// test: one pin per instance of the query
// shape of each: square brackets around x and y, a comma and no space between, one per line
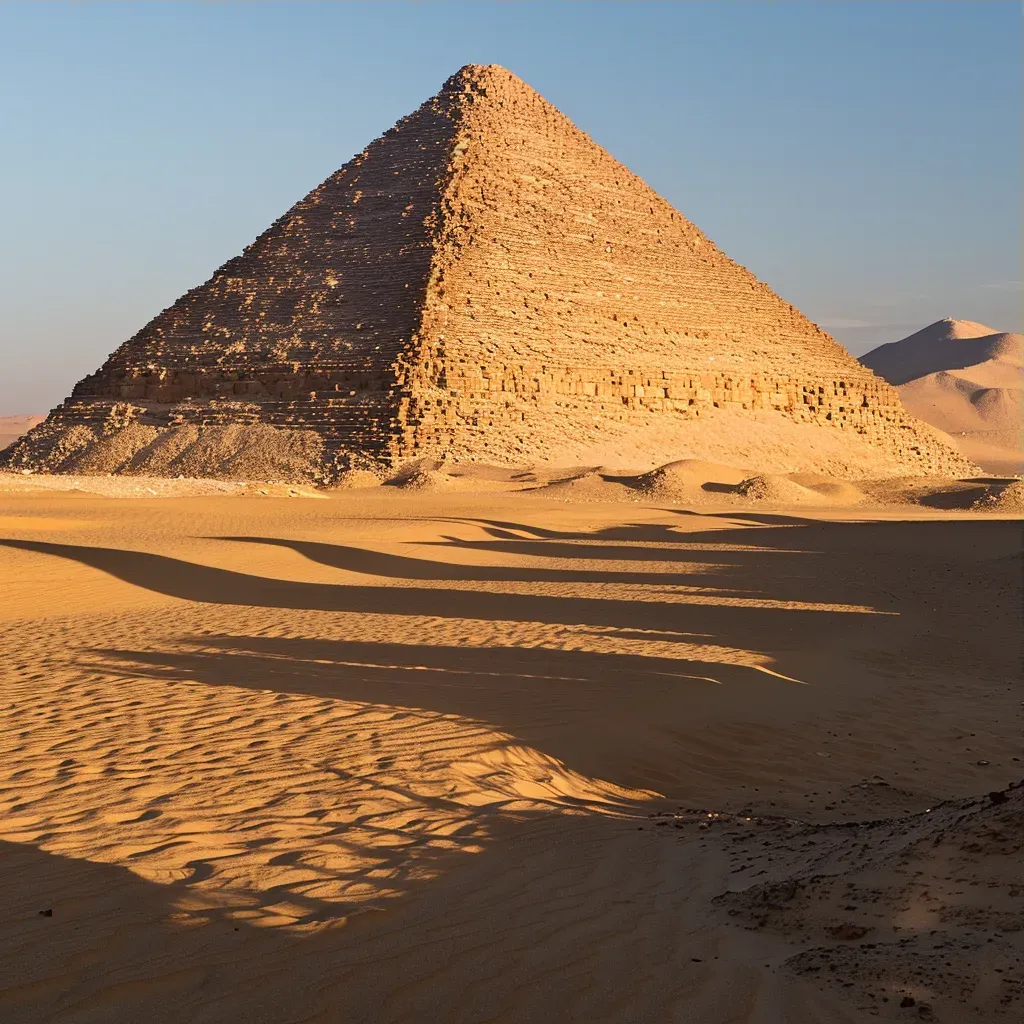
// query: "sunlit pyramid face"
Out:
[482,282]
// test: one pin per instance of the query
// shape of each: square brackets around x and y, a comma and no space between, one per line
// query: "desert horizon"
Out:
[976,407]
[494,592]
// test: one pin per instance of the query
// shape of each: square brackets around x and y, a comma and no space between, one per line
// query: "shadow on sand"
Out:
[115,944]
[789,597]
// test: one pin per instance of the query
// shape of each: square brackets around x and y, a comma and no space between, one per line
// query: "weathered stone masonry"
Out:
[483,281]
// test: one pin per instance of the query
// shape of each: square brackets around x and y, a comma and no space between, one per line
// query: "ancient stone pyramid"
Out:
[484,282]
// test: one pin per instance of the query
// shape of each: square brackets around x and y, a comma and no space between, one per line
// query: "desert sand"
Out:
[13,427]
[685,747]
[967,380]
[484,600]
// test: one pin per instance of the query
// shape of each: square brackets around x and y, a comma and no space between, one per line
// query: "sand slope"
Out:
[966,380]
[944,345]
[398,755]
[12,427]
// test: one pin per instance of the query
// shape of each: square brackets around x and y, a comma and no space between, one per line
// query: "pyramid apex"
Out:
[478,77]
[474,70]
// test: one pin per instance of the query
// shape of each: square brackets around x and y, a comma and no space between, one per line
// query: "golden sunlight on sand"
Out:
[421,757]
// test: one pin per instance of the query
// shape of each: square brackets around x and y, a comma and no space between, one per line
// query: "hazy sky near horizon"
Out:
[864,159]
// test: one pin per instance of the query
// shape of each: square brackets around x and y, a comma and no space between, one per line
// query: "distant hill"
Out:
[967,380]
[12,427]
[945,345]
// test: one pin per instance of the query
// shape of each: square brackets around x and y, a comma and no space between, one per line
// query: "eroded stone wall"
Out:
[304,328]
[482,281]
[567,293]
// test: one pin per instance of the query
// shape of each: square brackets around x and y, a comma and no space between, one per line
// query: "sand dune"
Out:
[956,402]
[966,380]
[985,421]
[944,345]
[398,755]
[12,427]
[684,484]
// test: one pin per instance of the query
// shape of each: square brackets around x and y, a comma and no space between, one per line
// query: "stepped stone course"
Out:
[483,282]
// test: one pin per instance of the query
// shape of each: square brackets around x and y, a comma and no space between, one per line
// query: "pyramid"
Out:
[482,282]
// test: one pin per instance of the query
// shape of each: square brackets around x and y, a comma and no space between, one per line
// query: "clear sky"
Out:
[862,158]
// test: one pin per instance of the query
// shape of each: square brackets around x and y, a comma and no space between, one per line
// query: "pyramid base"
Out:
[753,440]
[253,451]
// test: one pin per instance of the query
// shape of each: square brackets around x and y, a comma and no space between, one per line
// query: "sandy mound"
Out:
[835,492]
[12,427]
[688,480]
[590,486]
[955,401]
[940,494]
[356,479]
[1007,501]
[240,451]
[423,480]
[982,418]
[778,489]
[966,380]
[428,476]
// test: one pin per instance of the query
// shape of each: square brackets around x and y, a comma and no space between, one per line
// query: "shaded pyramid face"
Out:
[483,282]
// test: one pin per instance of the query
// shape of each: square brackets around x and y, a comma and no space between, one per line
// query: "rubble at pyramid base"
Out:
[505,415]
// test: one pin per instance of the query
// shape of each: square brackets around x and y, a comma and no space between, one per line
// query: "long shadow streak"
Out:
[378,563]
[752,627]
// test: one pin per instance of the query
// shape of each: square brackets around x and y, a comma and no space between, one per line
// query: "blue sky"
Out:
[862,158]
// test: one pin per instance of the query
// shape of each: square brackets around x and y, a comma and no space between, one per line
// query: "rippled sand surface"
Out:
[456,757]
